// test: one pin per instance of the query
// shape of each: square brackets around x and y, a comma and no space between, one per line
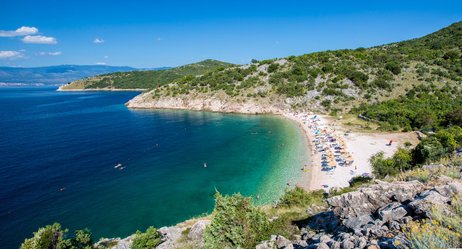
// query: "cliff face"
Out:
[219,102]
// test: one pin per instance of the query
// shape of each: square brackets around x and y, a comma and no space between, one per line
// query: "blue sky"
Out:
[169,33]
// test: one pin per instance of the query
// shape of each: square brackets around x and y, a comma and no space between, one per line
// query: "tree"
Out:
[82,239]
[50,236]
[147,240]
[447,140]
[382,166]
[402,159]
[236,223]
[429,149]
[455,117]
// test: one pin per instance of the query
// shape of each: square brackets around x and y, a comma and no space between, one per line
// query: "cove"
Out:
[58,151]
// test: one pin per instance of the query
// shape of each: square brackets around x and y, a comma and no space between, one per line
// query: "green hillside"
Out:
[145,79]
[338,81]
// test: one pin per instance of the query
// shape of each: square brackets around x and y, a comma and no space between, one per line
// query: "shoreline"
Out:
[306,178]
[357,147]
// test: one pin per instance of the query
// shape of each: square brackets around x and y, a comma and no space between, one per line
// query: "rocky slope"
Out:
[331,80]
[218,103]
[371,217]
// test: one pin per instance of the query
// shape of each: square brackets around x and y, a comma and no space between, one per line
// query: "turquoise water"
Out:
[72,140]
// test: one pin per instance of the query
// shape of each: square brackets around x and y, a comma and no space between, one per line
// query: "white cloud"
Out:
[22,31]
[98,41]
[100,63]
[8,54]
[50,53]
[39,39]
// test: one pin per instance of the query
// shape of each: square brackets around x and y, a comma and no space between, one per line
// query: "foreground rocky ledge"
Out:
[371,217]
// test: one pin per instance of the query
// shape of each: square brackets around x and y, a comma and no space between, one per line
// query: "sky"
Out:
[149,34]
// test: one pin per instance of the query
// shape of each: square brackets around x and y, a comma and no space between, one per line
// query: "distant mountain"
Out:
[145,79]
[53,75]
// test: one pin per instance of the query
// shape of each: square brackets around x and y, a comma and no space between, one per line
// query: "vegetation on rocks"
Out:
[403,85]
[147,240]
[442,230]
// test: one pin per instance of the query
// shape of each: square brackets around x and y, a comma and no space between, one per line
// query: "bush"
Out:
[50,236]
[236,223]
[393,67]
[359,180]
[441,231]
[53,236]
[298,197]
[429,149]
[147,240]
[399,162]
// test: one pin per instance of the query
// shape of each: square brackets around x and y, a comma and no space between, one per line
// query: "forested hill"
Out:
[144,79]
[335,80]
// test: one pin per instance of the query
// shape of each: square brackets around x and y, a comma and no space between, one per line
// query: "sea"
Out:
[59,152]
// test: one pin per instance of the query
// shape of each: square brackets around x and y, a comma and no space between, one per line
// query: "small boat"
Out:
[121,168]
[118,166]
[205,165]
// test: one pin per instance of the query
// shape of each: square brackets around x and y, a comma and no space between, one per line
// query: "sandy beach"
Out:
[356,149]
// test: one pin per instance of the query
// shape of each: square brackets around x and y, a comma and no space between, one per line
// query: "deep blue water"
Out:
[72,140]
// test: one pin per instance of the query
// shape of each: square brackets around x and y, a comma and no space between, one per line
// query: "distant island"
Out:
[56,75]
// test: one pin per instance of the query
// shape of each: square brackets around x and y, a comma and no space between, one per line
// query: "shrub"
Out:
[273,67]
[50,236]
[441,231]
[399,162]
[429,149]
[53,236]
[147,240]
[298,197]
[236,223]
[393,67]
[359,180]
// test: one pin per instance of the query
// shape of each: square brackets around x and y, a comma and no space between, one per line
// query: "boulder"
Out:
[357,222]
[323,245]
[347,244]
[282,242]
[197,230]
[170,236]
[266,245]
[369,199]
[392,211]
[426,200]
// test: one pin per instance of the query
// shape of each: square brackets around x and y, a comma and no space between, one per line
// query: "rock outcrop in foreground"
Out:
[370,217]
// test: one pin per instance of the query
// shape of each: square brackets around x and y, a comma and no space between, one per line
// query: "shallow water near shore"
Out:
[58,151]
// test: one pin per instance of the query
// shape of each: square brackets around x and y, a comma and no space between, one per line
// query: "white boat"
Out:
[118,166]
[205,165]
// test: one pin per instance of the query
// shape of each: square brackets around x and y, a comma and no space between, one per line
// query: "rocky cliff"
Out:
[218,102]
